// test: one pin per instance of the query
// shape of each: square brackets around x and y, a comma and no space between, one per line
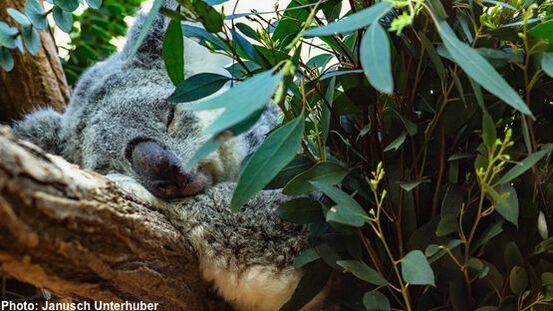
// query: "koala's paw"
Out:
[41,127]
[135,188]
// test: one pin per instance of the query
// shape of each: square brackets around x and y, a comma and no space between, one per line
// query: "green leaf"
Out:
[347,211]
[543,31]
[214,21]
[448,224]
[518,280]
[319,61]
[237,106]
[19,17]
[95,4]
[376,301]
[297,166]
[434,252]
[433,55]
[301,211]
[312,283]
[247,30]
[35,13]
[8,36]
[363,272]
[410,185]
[547,63]
[206,149]
[512,255]
[63,19]
[394,145]
[197,87]
[325,172]
[204,37]
[67,5]
[489,134]
[31,38]
[376,59]
[491,232]
[278,149]
[416,270]
[173,52]
[509,207]
[215,2]
[525,165]
[476,67]
[6,59]
[154,11]
[306,256]
[409,125]
[352,22]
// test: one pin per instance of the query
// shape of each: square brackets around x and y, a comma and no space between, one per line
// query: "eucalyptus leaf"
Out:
[547,63]
[35,13]
[6,59]
[67,5]
[525,165]
[346,211]
[396,143]
[95,4]
[376,59]
[197,87]
[325,172]
[306,256]
[518,280]
[237,106]
[509,208]
[489,134]
[476,67]
[363,272]
[19,17]
[204,37]
[31,38]
[352,22]
[416,270]
[278,149]
[301,211]
[63,19]
[376,301]
[173,52]
[8,36]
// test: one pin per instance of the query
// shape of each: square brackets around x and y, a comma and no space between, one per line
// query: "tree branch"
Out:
[78,235]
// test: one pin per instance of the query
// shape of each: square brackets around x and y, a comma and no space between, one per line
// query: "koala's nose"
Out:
[161,172]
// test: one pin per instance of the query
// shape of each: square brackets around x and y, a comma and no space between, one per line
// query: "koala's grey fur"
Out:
[248,254]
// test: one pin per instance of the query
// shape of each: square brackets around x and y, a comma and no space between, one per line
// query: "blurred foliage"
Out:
[93,39]
[426,125]
[91,32]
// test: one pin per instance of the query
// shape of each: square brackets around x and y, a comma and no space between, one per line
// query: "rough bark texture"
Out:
[35,81]
[75,233]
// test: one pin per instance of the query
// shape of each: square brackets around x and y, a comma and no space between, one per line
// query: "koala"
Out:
[119,123]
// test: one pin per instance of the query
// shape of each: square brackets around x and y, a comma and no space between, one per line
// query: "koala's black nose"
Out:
[161,172]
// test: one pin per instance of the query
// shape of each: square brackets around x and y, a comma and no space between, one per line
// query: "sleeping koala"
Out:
[119,123]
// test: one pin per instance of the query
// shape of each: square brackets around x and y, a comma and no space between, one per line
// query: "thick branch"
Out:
[76,234]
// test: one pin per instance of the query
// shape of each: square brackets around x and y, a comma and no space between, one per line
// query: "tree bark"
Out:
[77,234]
[35,81]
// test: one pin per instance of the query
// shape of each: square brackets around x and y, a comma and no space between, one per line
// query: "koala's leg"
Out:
[248,254]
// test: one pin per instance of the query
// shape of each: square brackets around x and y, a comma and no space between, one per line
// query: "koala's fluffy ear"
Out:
[41,127]
[151,48]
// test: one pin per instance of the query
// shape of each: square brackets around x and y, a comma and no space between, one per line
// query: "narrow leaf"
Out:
[476,67]
[173,52]
[352,22]
[363,272]
[278,149]
[547,64]
[301,211]
[376,59]
[525,165]
[237,106]
[325,172]
[489,134]
[197,87]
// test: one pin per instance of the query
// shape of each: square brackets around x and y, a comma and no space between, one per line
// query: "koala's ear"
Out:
[41,127]
[152,46]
